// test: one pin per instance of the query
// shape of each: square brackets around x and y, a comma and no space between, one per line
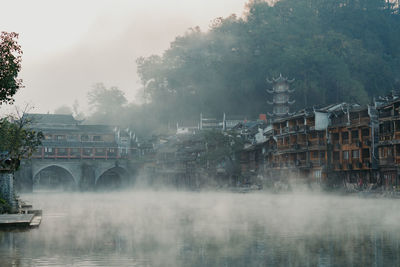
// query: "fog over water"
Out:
[174,228]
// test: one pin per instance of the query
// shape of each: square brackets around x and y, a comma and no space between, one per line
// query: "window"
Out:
[382,152]
[75,151]
[87,152]
[97,138]
[346,155]
[281,109]
[397,126]
[365,153]
[315,154]
[318,174]
[281,98]
[72,137]
[345,137]
[281,88]
[84,137]
[365,132]
[60,137]
[335,136]
[100,151]
[354,134]
[355,154]
[336,156]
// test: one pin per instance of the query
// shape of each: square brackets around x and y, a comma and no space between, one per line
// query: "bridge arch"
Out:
[54,176]
[114,177]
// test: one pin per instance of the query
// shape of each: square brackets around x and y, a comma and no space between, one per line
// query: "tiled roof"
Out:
[51,119]
[96,128]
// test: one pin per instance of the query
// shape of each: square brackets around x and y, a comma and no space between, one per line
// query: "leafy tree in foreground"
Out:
[10,65]
[17,139]
[15,136]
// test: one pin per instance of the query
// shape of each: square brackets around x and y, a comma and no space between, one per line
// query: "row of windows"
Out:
[301,138]
[355,154]
[354,134]
[385,152]
[95,138]
[84,150]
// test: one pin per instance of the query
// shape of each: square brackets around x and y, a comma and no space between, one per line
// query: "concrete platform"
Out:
[30,220]
[23,220]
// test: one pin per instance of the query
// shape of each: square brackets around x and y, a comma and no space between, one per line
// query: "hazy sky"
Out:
[71,45]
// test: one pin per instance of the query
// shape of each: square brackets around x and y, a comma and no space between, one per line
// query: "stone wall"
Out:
[7,188]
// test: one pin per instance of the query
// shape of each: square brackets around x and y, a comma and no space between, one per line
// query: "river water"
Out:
[165,228]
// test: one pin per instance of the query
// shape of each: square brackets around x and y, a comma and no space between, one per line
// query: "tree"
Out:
[107,104]
[337,51]
[78,114]
[17,139]
[10,65]
[65,110]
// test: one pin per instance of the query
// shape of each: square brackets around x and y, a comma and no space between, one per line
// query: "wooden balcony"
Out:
[386,161]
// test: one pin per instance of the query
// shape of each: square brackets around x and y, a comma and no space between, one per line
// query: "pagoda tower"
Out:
[280,96]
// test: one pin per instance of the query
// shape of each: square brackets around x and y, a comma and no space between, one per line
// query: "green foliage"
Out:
[220,145]
[4,206]
[10,65]
[17,139]
[336,50]
[109,106]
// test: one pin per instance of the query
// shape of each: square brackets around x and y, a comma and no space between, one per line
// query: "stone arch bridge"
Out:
[80,174]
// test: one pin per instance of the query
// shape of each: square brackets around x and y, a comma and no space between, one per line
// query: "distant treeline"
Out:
[342,50]
[337,50]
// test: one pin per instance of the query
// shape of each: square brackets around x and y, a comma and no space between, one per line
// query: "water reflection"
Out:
[145,228]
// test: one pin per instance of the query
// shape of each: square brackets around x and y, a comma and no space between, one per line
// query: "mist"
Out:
[169,157]
[69,46]
[172,228]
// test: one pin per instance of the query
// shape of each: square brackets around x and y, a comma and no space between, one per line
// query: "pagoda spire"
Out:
[280,95]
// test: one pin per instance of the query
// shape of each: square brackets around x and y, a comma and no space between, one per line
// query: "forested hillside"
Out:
[342,50]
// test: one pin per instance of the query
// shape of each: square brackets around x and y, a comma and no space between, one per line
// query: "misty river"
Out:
[172,228]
